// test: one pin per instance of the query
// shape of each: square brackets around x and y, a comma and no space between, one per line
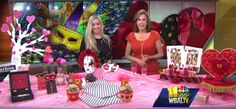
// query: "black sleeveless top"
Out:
[104,53]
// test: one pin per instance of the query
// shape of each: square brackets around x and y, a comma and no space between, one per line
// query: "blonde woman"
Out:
[96,40]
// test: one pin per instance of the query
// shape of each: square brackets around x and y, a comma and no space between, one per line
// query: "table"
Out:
[144,95]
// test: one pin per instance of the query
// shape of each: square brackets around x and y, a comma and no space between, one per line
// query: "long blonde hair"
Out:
[89,37]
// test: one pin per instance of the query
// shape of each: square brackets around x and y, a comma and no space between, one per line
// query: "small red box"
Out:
[41,83]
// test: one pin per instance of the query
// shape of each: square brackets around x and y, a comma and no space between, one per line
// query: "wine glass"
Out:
[134,68]
[144,70]
[144,73]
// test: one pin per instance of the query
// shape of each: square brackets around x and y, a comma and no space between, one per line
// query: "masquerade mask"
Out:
[71,39]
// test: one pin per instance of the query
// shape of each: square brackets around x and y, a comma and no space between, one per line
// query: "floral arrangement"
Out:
[126,92]
[72,92]
[125,89]
[124,79]
[72,88]
[78,80]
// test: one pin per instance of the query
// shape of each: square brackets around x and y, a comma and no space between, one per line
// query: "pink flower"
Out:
[123,77]
[47,59]
[60,61]
[63,61]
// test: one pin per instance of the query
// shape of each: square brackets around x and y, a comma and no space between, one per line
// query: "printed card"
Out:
[193,57]
[184,56]
[175,56]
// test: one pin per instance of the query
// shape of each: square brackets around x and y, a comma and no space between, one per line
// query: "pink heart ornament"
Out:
[9,19]
[18,28]
[45,39]
[30,19]
[17,13]
[12,44]
[33,48]
[46,32]
[4,28]
[33,30]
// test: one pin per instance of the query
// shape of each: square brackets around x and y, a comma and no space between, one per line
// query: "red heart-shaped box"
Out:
[220,65]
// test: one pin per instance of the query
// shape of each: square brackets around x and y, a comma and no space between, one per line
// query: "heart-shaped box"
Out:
[220,66]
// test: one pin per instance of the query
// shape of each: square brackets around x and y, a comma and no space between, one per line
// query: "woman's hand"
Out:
[145,58]
[141,62]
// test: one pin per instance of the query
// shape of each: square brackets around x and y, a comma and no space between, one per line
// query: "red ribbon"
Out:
[196,19]
[49,77]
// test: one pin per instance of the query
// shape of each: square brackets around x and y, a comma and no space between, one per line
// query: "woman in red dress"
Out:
[144,45]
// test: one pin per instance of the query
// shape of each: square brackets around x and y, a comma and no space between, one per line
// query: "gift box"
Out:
[20,86]
[202,98]
[192,27]
[51,83]
[41,83]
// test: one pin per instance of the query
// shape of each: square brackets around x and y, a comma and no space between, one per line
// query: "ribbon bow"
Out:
[49,77]
[194,18]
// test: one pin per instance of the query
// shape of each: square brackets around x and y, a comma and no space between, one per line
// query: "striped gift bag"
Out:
[100,93]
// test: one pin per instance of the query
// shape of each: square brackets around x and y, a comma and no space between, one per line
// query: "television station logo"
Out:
[178,95]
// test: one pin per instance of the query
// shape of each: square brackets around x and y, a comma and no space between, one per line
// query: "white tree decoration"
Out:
[18,48]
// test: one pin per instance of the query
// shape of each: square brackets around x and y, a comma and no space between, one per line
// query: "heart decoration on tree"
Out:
[220,65]
[30,19]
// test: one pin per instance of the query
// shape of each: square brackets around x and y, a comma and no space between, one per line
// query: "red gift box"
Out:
[41,83]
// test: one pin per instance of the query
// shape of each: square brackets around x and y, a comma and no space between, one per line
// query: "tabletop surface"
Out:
[146,91]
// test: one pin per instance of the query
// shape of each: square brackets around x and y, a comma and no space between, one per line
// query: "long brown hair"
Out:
[139,13]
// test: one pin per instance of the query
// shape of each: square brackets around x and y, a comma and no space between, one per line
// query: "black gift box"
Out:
[20,86]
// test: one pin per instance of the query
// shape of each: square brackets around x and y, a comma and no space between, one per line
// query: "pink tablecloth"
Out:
[146,91]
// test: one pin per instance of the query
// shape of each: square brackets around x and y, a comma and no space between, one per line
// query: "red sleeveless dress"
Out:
[147,47]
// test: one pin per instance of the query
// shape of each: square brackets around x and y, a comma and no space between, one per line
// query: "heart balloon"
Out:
[219,65]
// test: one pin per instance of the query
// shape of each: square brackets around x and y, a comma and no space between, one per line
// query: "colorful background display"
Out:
[179,23]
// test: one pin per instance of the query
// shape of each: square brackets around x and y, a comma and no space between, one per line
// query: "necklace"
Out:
[142,43]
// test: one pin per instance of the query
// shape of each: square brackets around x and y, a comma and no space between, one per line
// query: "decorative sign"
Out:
[7,67]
